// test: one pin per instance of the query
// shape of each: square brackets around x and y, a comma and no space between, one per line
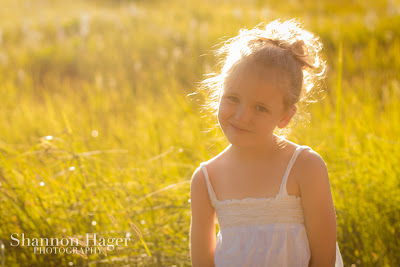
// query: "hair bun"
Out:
[300,52]
[297,48]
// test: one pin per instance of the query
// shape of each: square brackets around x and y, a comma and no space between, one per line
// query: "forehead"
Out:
[258,82]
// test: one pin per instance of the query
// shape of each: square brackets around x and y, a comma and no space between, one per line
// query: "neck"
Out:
[255,154]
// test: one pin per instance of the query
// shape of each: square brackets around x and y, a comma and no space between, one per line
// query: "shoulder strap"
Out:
[211,192]
[289,167]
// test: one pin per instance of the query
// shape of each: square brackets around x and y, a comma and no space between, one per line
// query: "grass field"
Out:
[100,135]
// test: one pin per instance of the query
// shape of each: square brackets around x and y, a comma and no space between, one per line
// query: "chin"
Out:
[240,141]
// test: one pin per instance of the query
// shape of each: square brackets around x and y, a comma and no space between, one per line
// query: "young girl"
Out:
[271,196]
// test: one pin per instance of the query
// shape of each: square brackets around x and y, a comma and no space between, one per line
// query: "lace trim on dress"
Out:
[253,200]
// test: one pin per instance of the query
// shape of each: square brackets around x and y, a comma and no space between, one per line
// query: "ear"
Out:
[286,117]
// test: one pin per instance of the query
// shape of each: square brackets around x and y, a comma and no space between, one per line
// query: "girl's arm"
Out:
[319,210]
[202,226]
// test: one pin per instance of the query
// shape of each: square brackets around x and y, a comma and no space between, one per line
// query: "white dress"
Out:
[262,231]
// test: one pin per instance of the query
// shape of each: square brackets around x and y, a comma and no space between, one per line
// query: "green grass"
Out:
[128,76]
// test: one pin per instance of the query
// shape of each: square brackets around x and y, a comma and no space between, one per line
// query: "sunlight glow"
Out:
[95,133]
[84,26]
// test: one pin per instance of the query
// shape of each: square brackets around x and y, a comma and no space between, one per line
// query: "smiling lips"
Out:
[238,129]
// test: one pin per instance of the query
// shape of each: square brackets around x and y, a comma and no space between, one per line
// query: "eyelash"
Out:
[235,99]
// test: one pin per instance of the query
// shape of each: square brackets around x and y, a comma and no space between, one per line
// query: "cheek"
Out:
[226,110]
[222,110]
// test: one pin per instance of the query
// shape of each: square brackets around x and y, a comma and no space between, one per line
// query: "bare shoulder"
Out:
[197,175]
[312,175]
[199,194]
[198,181]
[216,163]
[313,171]
[310,158]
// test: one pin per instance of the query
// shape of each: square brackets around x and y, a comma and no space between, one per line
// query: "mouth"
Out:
[239,129]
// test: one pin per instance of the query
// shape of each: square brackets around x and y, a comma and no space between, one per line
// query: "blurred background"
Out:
[98,132]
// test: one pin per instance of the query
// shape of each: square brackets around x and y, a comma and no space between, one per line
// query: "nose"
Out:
[242,114]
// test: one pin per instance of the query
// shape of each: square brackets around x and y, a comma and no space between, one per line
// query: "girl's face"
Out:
[251,107]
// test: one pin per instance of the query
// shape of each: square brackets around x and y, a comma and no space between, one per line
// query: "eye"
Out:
[261,109]
[233,98]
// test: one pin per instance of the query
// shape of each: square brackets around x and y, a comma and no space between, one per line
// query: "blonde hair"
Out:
[284,45]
